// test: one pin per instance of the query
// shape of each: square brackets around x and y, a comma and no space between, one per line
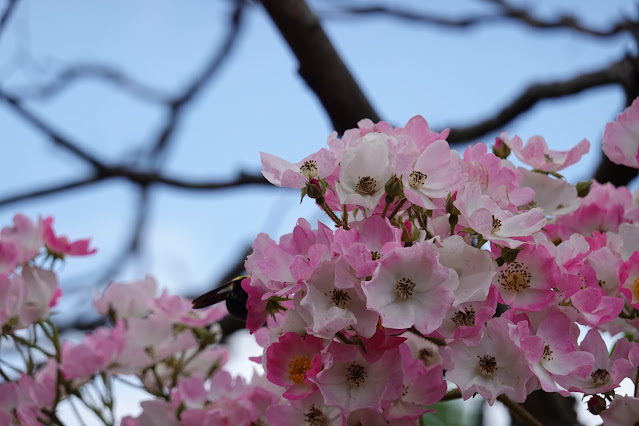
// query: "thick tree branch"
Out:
[615,73]
[319,63]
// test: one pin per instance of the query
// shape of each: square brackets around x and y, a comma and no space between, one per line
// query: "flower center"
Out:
[315,417]
[515,277]
[465,317]
[635,287]
[297,368]
[375,255]
[487,365]
[366,186]
[340,298]
[496,224]
[405,288]
[356,375]
[600,377]
[416,179]
[309,168]
[547,353]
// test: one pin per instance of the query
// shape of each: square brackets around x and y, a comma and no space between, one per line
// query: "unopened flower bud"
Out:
[314,189]
[410,233]
[596,405]
[394,187]
[500,149]
[583,188]
[450,207]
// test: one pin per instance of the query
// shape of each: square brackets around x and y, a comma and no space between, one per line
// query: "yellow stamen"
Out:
[297,368]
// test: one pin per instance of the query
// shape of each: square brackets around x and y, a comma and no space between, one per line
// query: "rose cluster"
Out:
[440,270]
[446,267]
[160,339]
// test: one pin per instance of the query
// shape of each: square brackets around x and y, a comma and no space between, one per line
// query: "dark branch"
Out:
[199,82]
[615,73]
[563,22]
[319,63]
[141,179]
[408,15]
[51,190]
[8,11]
[58,139]
[98,71]
[507,13]
[617,174]
[242,180]
[132,247]
[607,171]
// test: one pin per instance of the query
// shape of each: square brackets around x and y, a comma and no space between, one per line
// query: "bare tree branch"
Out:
[615,73]
[55,137]
[4,19]
[132,247]
[103,72]
[139,178]
[319,63]
[177,105]
[50,190]
[507,13]
[564,22]
[407,15]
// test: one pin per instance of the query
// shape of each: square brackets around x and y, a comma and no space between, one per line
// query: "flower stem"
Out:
[420,219]
[27,343]
[399,206]
[519,411]
[345,217]
[386,206]
[322,203]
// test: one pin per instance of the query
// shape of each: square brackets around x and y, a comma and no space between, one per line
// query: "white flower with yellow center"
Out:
[364,171]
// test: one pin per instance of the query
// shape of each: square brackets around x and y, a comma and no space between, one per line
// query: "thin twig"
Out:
[8,11]
[178,104]
[568,22]
[56,138]
[506,13]
[51,190]
[615,73]
[519,411]
[104,72]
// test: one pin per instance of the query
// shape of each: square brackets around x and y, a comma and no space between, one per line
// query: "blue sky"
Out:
[256,103]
